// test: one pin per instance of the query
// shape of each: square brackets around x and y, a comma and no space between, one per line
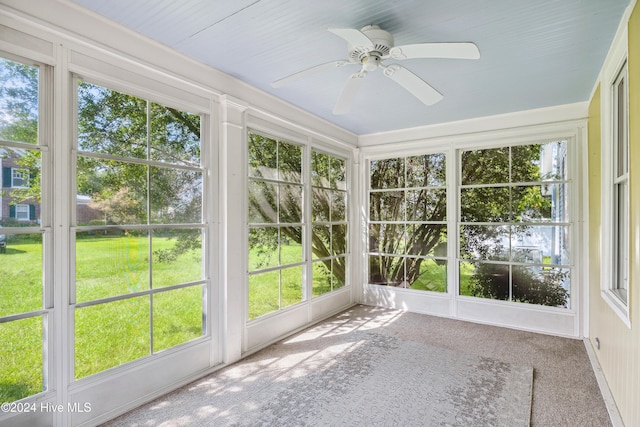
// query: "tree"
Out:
[19,122]
[269,203]
[399,198]
[115,124]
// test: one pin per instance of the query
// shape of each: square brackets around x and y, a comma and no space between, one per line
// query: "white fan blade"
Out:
[413,84]
[353,37]
[348,94]
[435,50]
[292,77]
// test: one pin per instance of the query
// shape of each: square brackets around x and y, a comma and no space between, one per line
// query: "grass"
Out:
[433,277]
[276,289]
[107,334]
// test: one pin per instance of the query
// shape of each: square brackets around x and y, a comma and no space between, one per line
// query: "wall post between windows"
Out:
[232,227]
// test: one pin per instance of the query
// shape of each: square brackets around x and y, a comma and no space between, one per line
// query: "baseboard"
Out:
[610,403]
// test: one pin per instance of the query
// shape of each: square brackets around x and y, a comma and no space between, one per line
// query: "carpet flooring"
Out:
[363,367]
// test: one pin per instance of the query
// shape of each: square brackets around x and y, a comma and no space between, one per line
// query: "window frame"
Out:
[47,310]
[149,227]
[448,222]
[267,128]
[614,71]
[566,222]
[24,208]
[19,174]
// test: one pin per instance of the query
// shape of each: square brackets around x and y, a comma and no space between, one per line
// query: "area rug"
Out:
[359,378]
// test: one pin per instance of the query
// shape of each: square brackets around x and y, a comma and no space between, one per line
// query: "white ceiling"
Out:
[534,53]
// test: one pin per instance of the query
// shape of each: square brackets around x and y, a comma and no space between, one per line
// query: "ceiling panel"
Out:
[533,53]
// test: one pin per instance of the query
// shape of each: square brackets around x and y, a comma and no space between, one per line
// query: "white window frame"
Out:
[19,174]
[614,70]
[22,209]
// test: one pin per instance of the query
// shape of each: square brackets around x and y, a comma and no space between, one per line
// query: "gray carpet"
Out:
[335,375]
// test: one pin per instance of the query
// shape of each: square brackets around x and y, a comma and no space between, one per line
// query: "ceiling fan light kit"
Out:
[369,47]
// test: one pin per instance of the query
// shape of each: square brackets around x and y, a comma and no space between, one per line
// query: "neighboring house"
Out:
[28,211]
[84,212]
[14,177]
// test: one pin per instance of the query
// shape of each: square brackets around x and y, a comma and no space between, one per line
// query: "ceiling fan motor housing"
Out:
[382,43]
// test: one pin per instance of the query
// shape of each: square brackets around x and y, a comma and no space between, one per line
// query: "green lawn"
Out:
[107,334]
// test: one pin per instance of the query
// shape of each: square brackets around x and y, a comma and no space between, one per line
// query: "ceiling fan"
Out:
[369,47]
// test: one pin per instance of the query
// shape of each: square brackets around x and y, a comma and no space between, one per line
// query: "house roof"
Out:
[533,54]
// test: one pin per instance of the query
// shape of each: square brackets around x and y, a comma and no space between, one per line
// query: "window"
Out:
[276,225]
[408,222]
[26,306]
[329,235]
[19,178]
[614,269]
[140,285]
[514,225]
[620,279]
[22,213]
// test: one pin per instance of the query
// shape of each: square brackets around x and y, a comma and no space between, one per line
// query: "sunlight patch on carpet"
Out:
[358,378]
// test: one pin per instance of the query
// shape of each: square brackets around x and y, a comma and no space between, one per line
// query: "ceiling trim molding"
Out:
[548,115]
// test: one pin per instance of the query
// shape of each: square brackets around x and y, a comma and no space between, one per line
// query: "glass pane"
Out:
[291,251]
[264,293]
[177,317]
[427,274]
[321,204]
[320,165]
[110,334]
[484,242]
[338,206]
[113,190]
[426,205]
[621,114]
[290,204]
[338,173]
[387,238]
[263,198]
[387,205]
[321,241]
[387,173]
[289,162]
[20,273]
[175,136]
[339,239]
[291,286]
[177,256]
[487,280]
[539,162]
[542,286]
[321,278]
[21,359]
[489,166]
[428,170]
[263,248]
[621,248]
[263,157]
[466,271]
[176,196]
[18,102]
[111,122]
[426,239]
[487,204]
[386,270]
[540,244]
[111,263]
[548,203]
[339,269]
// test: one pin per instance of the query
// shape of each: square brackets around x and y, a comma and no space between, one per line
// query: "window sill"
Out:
[618,307]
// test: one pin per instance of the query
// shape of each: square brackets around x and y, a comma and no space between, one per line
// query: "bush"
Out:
[533,285]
